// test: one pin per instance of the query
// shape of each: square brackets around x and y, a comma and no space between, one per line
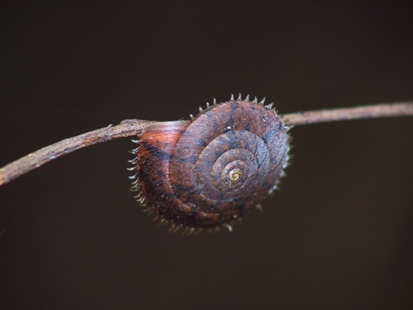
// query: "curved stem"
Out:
[132,127]
[34,160]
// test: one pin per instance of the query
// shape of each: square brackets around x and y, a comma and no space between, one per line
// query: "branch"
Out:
[346,114]
[132,127]
[34,160]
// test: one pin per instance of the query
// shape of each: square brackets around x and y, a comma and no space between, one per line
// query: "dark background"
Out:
[337,235]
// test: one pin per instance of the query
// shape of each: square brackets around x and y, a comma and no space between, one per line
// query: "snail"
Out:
[212,170]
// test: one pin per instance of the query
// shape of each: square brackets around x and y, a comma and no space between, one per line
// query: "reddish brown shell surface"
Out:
[214,169]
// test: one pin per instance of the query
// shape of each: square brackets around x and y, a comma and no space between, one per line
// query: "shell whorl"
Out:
[211,170]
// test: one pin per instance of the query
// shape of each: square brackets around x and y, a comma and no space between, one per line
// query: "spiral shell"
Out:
[213,169]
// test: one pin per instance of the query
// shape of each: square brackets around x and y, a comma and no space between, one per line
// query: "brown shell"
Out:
[214,169]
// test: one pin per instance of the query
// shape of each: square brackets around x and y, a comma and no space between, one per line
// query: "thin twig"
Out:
[34,160]
[343,114]
[133,127]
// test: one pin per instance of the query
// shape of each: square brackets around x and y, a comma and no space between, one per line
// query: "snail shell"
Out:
[211,170]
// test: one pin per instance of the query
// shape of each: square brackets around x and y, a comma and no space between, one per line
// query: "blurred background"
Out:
[337,235]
